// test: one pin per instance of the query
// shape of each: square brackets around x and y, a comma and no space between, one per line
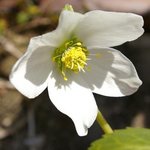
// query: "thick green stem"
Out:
[103,123]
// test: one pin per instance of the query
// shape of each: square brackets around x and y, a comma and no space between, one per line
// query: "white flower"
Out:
[76,59]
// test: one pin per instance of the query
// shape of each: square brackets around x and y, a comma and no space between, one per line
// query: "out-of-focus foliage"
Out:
[28,13]
[127,139]
[3,25]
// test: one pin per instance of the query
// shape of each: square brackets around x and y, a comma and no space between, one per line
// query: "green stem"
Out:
[103,123]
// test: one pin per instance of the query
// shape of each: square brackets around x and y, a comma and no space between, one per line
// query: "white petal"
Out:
[30,74]
[67,22]
[107,29]
[111,73]
[73,100]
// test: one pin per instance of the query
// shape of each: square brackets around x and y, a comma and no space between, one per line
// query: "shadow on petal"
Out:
[97,69]
[39,65]
[111,73]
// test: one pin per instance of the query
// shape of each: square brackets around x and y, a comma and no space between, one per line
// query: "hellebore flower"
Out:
[75,60]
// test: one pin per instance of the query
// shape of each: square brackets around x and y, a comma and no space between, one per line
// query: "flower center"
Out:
[74,59]
[72,55]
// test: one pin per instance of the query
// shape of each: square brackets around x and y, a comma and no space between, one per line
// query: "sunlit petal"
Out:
[74,100]
[107,29]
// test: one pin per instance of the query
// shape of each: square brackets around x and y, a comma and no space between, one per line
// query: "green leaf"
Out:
[125,139]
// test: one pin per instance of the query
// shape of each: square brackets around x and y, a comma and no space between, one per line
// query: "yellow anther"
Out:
[74,59]
[79,44]
[64,75]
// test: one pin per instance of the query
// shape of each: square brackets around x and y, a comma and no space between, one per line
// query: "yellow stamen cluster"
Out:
[71,56]
[74,59]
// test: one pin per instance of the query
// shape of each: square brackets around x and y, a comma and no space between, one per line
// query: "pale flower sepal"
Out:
[75,60]
[111,73]
[108,29]
[74,100]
